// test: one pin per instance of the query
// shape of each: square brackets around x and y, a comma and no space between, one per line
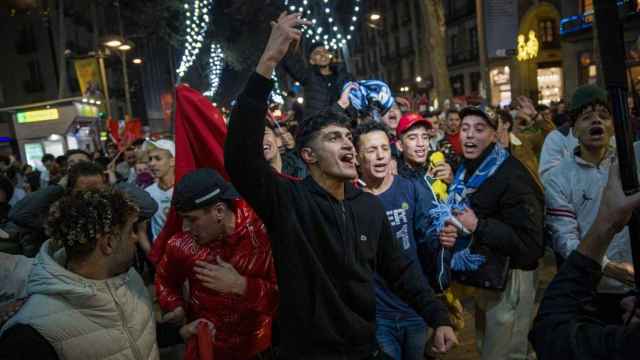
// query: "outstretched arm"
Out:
[250,173]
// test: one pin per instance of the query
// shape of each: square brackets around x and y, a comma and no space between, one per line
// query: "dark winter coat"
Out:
[320,91]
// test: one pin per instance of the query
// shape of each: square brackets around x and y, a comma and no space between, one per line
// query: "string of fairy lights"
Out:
[325,28]
[216,64]
[197,22]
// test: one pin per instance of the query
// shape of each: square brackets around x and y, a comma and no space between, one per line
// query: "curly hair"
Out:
[76,220]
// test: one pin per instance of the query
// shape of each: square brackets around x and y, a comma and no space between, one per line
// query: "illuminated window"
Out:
[587,6]
[546,29]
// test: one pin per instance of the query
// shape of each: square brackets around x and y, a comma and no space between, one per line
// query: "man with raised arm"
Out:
[328,238]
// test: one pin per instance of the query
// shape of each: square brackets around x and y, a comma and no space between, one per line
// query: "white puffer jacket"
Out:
[87,319]
[573,190]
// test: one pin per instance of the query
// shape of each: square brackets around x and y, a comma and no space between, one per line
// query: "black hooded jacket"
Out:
[320,91]
[326,251]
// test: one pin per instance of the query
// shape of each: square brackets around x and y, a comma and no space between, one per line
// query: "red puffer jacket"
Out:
[243,323]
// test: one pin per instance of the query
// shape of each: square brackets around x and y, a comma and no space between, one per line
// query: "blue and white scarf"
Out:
[460,257]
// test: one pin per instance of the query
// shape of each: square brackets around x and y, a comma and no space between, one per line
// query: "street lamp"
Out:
[374,16]
[112,42]
[120,47]
[418,79]
[125,47]
[137,61]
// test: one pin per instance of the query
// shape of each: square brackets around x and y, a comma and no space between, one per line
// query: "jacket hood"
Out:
[50,277]
[350,191]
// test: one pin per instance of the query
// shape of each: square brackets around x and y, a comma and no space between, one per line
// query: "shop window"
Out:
[549,85]
[500,81]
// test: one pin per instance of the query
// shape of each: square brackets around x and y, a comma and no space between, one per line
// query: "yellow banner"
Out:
[88,74]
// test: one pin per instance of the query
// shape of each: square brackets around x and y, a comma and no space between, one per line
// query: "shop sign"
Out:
[24,117]
[528,48]
[86,110]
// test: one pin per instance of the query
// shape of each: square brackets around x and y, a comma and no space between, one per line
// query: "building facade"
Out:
[463,49]
[576,29]
[393,47]
[523,49]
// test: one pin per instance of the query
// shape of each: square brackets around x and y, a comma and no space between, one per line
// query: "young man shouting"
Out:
[328,237]
[401,332]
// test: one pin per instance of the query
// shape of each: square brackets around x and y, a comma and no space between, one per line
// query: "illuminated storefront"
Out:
[549,85]
[54,127]
[500,79]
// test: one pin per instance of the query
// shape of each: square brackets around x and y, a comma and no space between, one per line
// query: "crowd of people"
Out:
[352,239]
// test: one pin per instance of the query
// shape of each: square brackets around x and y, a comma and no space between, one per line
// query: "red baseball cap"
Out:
[410,119]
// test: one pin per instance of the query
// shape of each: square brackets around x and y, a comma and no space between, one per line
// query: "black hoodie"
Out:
[325,250]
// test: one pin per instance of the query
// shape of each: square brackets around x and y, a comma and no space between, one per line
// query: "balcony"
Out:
[461,57]
[459,12]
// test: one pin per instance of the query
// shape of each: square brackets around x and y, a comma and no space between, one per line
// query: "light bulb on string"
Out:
[197,23]
[328,17]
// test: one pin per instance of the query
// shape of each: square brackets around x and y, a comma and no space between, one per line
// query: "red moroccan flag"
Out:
[114,130]
[132,132]
[200,132]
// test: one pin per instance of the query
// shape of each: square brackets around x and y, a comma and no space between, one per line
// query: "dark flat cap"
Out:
[201,188]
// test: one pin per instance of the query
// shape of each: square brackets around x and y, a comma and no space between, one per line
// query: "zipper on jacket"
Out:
[345,236]
[132,343]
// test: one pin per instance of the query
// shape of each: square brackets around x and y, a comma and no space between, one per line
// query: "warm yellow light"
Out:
[124,47]
[375,17]
[137,61]
[113,43]
[528,49]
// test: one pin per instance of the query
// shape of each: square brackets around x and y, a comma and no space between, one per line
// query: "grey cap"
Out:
[140,198]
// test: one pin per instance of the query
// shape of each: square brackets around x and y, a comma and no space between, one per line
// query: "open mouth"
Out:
[348,159]
[596,131]
[380,167]
[470,146]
